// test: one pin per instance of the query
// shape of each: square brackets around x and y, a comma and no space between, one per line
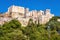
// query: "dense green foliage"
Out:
[14,31]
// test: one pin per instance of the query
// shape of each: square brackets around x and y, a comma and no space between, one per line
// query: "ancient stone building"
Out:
[23,14]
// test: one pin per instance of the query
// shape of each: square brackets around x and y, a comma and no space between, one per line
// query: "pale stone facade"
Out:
[23,15]
[16,9]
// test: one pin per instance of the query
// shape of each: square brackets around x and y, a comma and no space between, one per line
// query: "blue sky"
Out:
[54,5]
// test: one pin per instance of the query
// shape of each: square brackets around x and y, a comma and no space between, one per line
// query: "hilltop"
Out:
[14,31]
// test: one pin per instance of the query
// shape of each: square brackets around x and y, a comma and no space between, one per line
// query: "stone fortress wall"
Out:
[23,15]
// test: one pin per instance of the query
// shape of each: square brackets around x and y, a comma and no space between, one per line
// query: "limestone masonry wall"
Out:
[23,15]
